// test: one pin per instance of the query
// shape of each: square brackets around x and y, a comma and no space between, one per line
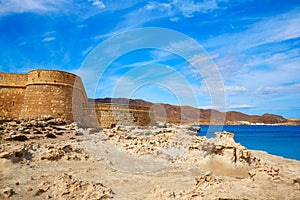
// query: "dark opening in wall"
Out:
[13,103]
[39,74]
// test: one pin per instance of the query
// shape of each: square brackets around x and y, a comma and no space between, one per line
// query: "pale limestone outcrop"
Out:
[68,166]
[224,145]
[64,186]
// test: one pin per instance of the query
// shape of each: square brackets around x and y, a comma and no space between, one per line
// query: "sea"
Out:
[278,140]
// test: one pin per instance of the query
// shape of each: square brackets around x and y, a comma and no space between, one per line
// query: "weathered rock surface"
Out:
[64,161]
[64,186]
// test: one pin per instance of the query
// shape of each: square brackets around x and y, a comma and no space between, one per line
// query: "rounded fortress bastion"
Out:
[53,93]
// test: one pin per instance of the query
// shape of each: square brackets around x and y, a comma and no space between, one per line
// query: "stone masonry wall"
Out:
[110,115]
[59,94]
[12,90]
[50,93]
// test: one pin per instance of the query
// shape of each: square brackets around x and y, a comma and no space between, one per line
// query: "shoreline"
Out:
[278,140]
[253,124]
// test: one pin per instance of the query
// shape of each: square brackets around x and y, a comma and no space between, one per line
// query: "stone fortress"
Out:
[59,94]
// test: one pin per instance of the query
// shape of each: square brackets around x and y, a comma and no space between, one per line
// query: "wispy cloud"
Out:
[268,30]
[48,39]
[278,90]
[161,55]
[235,88]
[275,29]
[241,106]
[37,6]
[263,54]
[105,35]
[97,3]
[185,7]
[22,44]
[174,19]
[49,33]
[82,9]
[173,10]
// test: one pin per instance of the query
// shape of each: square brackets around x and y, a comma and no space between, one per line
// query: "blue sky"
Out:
[255,46]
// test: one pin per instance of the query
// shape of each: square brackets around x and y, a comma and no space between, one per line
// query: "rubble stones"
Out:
[17,154]
[23,130]
[8,192]
[28,132]
[68,152]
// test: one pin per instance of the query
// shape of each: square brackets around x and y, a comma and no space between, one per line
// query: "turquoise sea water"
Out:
[278,140]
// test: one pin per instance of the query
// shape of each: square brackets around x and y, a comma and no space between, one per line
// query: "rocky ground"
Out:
[49,159]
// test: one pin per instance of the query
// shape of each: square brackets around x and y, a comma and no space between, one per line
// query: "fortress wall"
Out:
[62,95]
[12,90]
[110,115]
[50,93]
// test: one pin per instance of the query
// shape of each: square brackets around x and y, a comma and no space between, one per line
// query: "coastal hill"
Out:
[188,114]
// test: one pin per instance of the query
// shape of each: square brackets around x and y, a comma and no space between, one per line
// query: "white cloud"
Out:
[49,33]
[260,58]
[82,9]
[138,64]
[185,7]
[98,3]
[188,8]
[235,89]
[106,35]
[275,29]
[277,59]
[174,19]
[173,9]
[161,55]
[241,106]
[22,44]
[48,39]
[37,6]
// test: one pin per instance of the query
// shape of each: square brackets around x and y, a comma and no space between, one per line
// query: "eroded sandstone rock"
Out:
[7,192]
[224,145]
[64,186]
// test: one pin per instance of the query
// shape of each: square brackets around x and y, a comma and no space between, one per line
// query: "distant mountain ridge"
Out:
[188,114]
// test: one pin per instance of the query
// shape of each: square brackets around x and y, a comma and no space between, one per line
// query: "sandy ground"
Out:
[136,163]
